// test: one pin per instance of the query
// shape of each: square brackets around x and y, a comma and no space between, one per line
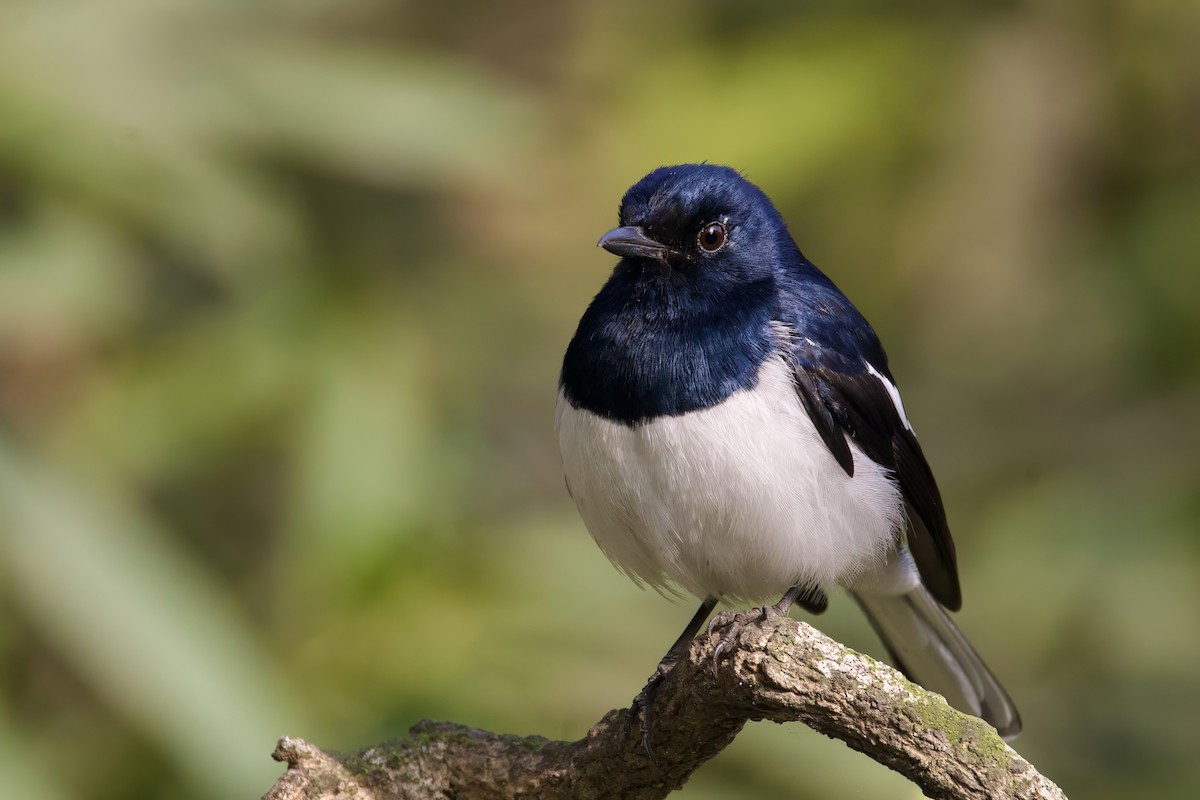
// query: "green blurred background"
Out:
[284,287]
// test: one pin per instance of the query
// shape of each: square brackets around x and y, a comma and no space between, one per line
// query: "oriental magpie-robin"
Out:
[729,426]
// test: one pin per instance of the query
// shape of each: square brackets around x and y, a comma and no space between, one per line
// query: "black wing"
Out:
[844,397]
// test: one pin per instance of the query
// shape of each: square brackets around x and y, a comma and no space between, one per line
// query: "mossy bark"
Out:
[782,670]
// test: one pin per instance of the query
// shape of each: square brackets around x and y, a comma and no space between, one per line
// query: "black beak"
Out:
[632,242]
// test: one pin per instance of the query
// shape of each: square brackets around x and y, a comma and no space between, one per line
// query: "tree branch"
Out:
[782,670]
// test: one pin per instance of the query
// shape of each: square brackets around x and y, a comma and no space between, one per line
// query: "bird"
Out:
[730,428]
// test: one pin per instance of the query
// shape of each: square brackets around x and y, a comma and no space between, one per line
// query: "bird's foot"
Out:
[647,697]
[734,621]
[644,703]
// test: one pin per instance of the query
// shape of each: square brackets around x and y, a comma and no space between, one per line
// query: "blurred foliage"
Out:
[284,287]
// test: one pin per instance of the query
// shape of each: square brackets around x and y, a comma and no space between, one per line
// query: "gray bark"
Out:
[782,670]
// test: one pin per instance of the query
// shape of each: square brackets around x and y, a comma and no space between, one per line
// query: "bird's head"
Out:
[699,220]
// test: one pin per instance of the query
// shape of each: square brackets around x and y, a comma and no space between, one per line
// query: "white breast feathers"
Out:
[741,500]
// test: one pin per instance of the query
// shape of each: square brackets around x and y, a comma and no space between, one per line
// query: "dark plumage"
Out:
[681,446]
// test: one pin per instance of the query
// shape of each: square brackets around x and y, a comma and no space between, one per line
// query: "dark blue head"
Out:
[702,222]
[687,317]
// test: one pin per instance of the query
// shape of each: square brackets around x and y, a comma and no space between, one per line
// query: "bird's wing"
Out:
[848,395]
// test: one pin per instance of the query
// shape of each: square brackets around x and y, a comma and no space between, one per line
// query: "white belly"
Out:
[741,500]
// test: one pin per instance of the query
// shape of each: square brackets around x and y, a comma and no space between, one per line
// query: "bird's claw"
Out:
[644,702]
[734,621]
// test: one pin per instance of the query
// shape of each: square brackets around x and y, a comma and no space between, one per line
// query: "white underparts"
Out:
[741,500]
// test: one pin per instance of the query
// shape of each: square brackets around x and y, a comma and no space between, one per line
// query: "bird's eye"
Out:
[712,237]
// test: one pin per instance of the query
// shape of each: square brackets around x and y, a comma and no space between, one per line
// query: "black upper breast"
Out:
[641,353]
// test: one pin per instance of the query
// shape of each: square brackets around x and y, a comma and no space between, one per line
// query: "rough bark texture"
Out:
[782,670]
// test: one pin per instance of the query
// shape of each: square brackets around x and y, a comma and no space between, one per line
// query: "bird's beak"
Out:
[632,242]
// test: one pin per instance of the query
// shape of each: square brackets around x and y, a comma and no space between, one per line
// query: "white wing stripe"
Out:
[894,393]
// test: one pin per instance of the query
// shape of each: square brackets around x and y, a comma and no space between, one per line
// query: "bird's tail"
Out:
[930,649]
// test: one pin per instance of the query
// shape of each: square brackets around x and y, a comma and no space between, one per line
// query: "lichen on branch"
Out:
[782,670]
